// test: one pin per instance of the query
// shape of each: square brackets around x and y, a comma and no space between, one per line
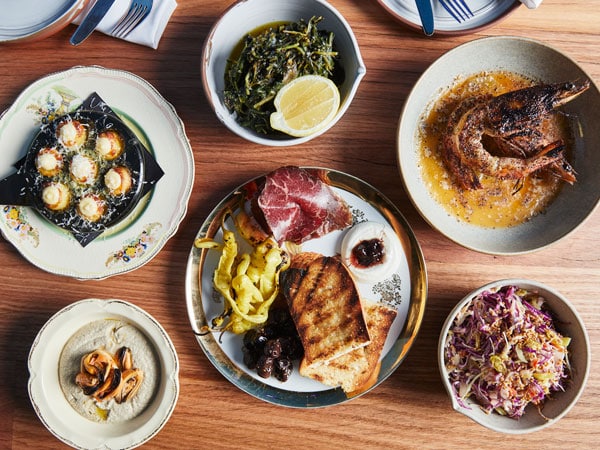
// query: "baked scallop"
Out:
[85,172]
[49,161]
[91,207]
[72,134]
[56,196]
[118,180]
[83,169]
[109,144]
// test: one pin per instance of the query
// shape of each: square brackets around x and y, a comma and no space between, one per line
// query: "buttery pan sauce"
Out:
[500,203]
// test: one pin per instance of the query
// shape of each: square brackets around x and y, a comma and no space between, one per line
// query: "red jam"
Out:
[368,253]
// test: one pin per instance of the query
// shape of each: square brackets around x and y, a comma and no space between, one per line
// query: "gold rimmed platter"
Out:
[405,290]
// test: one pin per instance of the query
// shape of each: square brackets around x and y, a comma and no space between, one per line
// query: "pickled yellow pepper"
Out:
[249,283]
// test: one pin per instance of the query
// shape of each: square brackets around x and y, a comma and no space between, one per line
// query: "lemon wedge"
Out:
[305,105]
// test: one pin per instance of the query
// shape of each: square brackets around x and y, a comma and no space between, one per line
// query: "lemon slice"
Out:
[305,105]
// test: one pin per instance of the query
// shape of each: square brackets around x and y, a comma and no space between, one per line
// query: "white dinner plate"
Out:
[406,290]
[139,237]
[47,396]
[485,14]
[35,19]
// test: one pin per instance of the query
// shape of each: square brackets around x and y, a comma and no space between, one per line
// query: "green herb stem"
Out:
[270,59]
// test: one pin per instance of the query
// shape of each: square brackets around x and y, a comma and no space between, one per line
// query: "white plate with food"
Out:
[32,19]
[145,230]
[134,349]
[497,153]
[485,13]
[323,257]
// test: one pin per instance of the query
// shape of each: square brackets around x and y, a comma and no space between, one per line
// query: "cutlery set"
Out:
[458,9]
[138,11]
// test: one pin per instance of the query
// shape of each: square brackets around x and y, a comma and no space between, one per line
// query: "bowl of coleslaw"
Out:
[514,356]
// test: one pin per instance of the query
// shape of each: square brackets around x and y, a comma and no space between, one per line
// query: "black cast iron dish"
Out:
[26,185]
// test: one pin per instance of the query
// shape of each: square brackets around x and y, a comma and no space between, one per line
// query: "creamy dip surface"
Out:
[500,203]
[110,335]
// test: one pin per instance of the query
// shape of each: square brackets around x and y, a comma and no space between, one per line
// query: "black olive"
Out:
[292,347]
[255,339]
[271,331]
[283,369]
[249,338]
[250,358]
[270,349]
[264,366]
[273,348]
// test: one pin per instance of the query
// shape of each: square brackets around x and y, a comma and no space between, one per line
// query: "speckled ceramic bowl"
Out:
[246,16]
[568,323]
[536,60]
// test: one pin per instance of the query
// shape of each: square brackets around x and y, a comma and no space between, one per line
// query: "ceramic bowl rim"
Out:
[552,296]
[314,7]
[516,240]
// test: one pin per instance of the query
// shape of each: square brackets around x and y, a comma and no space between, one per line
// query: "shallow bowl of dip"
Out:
[428,185]
[246,17]
[52,397]
[566,321]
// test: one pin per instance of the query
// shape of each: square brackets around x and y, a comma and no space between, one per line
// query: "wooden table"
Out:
[411,408]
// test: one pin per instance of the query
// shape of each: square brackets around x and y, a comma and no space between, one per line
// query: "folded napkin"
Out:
[531,4]
[146,33]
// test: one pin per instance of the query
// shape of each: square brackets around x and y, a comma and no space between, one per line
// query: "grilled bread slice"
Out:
[303,259]
[325,306]
[358,369]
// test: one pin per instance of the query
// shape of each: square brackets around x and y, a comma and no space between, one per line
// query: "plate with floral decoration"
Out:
[141,235]
[405,290]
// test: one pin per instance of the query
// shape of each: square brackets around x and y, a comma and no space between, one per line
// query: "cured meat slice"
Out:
[297,206]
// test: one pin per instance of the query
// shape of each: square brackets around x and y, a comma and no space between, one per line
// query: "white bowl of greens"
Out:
[224,48]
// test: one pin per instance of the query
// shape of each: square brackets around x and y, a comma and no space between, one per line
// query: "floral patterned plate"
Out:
[405,290]
[56,412]
[138,238]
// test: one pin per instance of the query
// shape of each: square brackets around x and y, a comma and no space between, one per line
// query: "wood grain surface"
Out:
[411,408]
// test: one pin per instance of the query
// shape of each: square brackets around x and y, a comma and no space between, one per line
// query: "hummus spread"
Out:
[110,335]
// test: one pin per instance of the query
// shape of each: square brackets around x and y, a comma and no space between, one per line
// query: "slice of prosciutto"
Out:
[297,205]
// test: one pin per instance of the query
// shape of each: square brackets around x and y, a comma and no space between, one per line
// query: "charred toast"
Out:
[354,371]
[326,308]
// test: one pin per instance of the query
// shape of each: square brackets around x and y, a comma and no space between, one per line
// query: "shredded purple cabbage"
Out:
[503,350]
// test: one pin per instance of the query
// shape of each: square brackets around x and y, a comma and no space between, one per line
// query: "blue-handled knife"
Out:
[426,15]
[91,21]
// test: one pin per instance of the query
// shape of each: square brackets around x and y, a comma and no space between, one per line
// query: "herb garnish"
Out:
[271,59]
